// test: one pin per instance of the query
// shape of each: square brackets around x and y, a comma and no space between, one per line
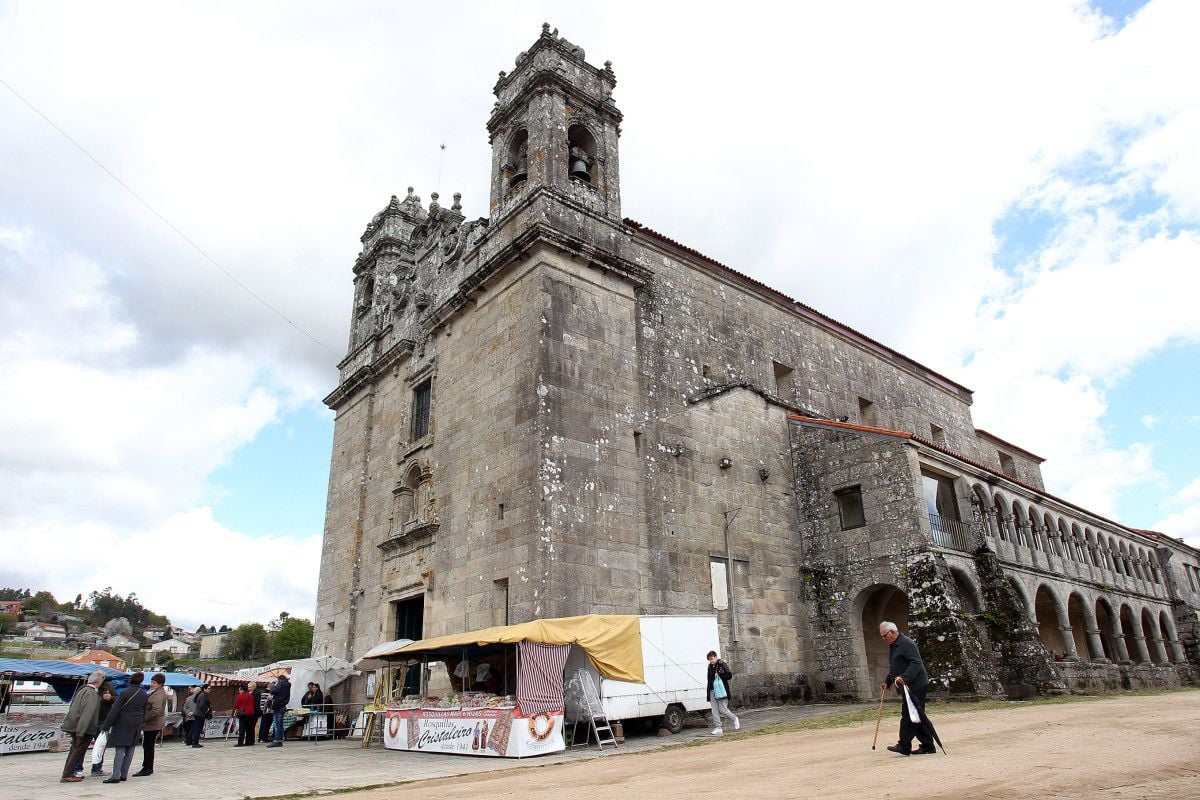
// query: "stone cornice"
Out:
[368,372]
[539,81]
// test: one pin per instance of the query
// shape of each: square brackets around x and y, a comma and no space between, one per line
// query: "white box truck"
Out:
[674,651]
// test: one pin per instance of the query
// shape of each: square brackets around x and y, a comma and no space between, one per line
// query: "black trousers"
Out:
[246,730]
[79,746]
[148,741]
[264,728]
[908,728]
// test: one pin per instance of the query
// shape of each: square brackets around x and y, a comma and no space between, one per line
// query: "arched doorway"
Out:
[968,595]
[1155,646]
[878,603]
[1045,608]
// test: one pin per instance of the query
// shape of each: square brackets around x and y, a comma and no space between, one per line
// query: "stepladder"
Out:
[586,713]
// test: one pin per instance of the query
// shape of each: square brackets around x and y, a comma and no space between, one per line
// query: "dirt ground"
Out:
[1125,747]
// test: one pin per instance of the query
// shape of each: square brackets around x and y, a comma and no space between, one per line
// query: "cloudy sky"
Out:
[1008,192]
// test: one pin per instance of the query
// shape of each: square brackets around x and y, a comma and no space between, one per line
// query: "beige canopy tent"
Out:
[612,642]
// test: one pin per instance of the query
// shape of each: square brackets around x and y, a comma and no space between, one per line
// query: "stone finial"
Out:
[545,29]
[433,199]
[457,202]
[503,74]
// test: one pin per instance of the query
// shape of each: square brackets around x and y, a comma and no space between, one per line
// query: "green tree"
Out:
[292,640]
[165,659]
[247,642]
[8,623]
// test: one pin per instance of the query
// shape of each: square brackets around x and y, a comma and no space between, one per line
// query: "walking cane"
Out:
[878,717]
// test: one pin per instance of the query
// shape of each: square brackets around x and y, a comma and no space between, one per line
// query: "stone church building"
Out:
[556,410]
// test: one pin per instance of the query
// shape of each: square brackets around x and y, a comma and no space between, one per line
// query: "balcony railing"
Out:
[951,533]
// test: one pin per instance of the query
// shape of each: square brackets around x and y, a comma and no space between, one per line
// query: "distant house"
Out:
[46,631]
[174,646]
[155,633]
[119,641]
[10,607]
[210,644]
[101,658]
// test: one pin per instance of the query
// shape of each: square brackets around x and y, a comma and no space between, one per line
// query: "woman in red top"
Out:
[244,710]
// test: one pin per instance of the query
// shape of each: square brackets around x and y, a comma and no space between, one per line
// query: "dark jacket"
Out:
[84,713]
[281,694]
[904,661]
[313,699]
[203,706]
[156,710]
[719,671]
[124,721]
[257,696]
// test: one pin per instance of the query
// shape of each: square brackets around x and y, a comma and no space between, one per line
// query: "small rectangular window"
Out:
[866,411]
[850,507]
[937,435]
[420,410]
[1007,465]
[783,380]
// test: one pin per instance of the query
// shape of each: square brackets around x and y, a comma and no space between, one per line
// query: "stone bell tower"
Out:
[554,126]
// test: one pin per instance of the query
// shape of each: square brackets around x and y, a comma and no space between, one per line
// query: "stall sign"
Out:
[28,738]
[474,731]
[220,727]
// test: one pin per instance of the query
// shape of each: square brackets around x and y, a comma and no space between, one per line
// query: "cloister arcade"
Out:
[1095,595]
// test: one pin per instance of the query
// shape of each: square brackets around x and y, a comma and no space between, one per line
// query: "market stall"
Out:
[501,693]
[28,729]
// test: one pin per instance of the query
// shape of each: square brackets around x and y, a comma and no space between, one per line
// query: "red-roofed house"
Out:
[101,658]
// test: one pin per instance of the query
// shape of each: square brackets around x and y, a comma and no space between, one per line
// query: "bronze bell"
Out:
[522,170]
[579,169]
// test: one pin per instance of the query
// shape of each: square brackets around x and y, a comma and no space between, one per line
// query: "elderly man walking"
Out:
[82,718]
[905,668]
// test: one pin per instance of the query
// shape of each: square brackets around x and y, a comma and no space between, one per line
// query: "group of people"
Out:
[115,720]
[122,720]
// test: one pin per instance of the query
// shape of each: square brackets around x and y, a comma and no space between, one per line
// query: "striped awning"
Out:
[540,688]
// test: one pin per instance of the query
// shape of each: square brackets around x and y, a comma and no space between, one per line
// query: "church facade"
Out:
[556,410]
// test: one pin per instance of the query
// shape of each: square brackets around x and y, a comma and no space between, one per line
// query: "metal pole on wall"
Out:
[730,516]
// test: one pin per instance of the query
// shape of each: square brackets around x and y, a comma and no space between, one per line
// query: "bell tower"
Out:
[555,127]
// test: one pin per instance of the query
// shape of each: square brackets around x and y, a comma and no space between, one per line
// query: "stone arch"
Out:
[1107,625]
[1129,630]
[1155,646]
[983,505]
[1050,615]
[875,604]
[1019,524]
[1080,542]
[1024,595]
[1081,623]
[1117,554]
[998,505]
[1093,548]
[1035,535]
[969,594]
[1167,627]
[518,158]
[582,153]
[1054,542]
[1151,566]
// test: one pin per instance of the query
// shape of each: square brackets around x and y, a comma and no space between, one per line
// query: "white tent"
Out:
[371,659]
[327,671]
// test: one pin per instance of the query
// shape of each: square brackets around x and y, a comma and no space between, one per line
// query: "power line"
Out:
[166,221]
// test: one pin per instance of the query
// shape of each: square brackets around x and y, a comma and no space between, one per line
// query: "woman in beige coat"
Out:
[153,723]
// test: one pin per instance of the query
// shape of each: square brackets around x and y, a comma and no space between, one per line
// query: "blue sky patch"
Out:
[277,484]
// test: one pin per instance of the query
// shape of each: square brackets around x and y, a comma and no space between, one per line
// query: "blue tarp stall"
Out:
[63,676]
[178,680]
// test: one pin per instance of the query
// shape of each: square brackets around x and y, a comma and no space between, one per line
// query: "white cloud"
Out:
[1149,421]
[187,566]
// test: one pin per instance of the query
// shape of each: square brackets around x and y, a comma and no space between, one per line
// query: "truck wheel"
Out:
[672,720]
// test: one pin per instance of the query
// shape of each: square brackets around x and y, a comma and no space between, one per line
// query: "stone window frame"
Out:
[420,420]
[839,495]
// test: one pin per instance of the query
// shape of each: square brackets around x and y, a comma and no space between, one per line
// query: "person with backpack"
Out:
[124,725]
[719,676]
